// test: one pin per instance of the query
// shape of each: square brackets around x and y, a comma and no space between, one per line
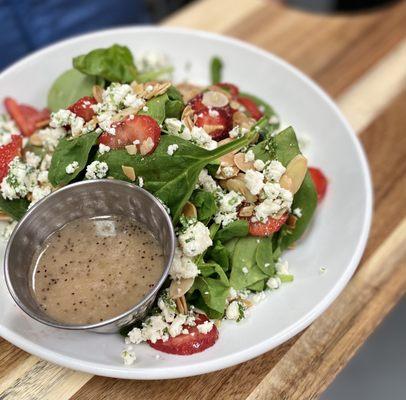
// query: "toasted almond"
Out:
[211,128]
[227,160]
[241,119]
[137,88]
[179,287]
[131,149]
[188,91]
[129,172]
[181,305]
[213,98]
[221,90]
[98,93]
[146,146]
[239,161]
[286,182]
[153,89]
[217,322]
[5,217]
[247,303]
[246,211]
[235,105]
[189,210]
[227,172]
[42,124]
[296,170]
[125,113]
[36,140]
[238,185]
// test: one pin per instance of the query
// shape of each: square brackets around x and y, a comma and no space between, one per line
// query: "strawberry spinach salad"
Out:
[237,187]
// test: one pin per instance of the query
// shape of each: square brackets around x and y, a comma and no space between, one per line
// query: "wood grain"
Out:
[360,61]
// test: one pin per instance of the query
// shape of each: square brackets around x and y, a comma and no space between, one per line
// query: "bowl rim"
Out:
[25,219]
[261,347]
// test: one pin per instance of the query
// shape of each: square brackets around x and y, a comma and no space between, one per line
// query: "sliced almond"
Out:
[211,128]
[131,149]
[98,93]
[286,182]
[181,305]
[217,322]
[239,161]
[36,140]
[188,91]
[129,172]
[235,105]
[137,88]
[221,90]
[227,160]
[247,211]
[146,146]
[238,185]
[42,124]
[189,210]
[180,287]
[5,217]
[296,171]
[213,98]
[241,119]
[227,172]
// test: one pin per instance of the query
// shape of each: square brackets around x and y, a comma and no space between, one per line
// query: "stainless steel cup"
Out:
[84,199]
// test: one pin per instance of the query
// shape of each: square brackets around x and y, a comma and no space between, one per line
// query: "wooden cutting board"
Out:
[360,60]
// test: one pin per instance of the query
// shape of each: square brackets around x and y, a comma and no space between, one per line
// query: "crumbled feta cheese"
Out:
[50,137]
[282,267]
[105,121]
[259,165]
[7,128]
[46,162]
[167,307]
[207,182]
[63,118]
[227,207]
[128,357]
[249,156]
[176,326]
[141,182]
[96,170]
[155,328]
[274,170]
[238,132]
[298,212]
[5,138]
[39,193]
[182,266]
[145,108]
[205,327]
[258,297]
[72,167]
[254,181]
[195,240]
[103,148]
[273,120]
[43,177]
[245,270]
[32,159]
[172,148]
[274,283]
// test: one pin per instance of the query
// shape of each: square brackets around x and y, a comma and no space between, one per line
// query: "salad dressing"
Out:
[94,269]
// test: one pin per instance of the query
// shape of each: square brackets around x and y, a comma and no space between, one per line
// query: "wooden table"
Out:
[361,61]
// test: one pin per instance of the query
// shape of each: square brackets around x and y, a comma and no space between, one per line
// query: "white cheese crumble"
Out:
[38,193]
[32,159]
[259,165]
[258,297]
[274,170]
[50,137]
[282,267]
[245,270]
[96,170]
[171,149]
[103,148]
[254,181]
[7,128]
[238,132]
[298,212]
[274,283]
[63,118]
[195,239]
[205,327]
[227,207]
[128,356]
[249,156]
[182,266]
[72,167]
[207,182]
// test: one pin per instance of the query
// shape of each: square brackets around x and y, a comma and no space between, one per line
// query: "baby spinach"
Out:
[115,64]
[238,228]
[287,147]
[174,109]
[211,268]
[264,256]
[220,254]
[68,88]
[14,208]
[156,108]
[170,178]
[257,286]
[205,203]
[216,67]
[244,269]
[70,150]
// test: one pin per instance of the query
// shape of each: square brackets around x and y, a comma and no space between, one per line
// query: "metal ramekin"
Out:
[84,199]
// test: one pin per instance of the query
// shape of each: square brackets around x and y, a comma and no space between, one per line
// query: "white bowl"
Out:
[335,241]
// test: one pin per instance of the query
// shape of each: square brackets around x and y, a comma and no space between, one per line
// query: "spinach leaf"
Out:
[230,246]
[220,254]
[213,292]
[264,106]
[156,108]
[211,268]
[14,208]
[257,286]
[265,150]
[68,88]
[264,256]
[286,147]
[216,67]
[205,203]
[244,269]
[115,64]
[67,151]
[174,94]
[238,228]
[174,109]
[170,178]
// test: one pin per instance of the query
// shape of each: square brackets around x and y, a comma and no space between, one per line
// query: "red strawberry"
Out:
[232,89]
[83,108]
[320,181]
[191,343]
[267,228]
[8,152]
[251,107]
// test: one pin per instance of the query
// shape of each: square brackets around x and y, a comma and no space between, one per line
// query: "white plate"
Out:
[336,239]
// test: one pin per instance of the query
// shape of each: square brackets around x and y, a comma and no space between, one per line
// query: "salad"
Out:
[237,187]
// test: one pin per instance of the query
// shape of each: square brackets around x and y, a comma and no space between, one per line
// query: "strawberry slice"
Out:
[27,118]
[8,152]
[320,181]
[83,108]
[251,107]
[267,228]
[216,121]
[191,343]
[232,89]
[132,128]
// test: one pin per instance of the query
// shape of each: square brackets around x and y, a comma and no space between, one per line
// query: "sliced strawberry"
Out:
[251,107]
[267,228]
[83,108]
[232,89]
[8,152]
[27,118]
[133,127]
[191,343]
[320,181]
